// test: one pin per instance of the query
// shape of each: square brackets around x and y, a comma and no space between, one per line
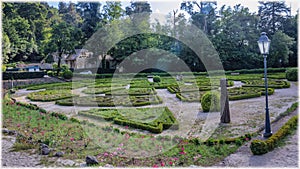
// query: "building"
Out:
[83,59]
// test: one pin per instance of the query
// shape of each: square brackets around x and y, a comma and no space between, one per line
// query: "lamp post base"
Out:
[266,135]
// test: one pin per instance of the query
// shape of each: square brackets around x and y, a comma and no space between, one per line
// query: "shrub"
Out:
[259,147]
[210,101]
[156,79]
[292,74]
[50,73]
[67,74]
[3,68]
[65,67]
[55,65]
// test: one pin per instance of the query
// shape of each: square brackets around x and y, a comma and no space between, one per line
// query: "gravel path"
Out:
[285,156]
[17,159]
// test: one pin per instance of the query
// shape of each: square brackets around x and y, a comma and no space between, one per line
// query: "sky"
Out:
[166,6]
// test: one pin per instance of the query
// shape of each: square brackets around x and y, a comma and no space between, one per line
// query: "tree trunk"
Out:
[225,112]
[58,64]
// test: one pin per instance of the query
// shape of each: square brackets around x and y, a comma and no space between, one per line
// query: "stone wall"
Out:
[6,84]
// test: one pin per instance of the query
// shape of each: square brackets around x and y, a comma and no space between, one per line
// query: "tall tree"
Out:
[203,14]
[90,13]
[236,38]
[280,49]
[272,15]
[62,40]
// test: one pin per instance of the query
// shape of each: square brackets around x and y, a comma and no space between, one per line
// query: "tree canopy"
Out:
[33,30]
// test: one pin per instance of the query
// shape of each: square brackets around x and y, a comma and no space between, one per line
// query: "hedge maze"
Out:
[154,120]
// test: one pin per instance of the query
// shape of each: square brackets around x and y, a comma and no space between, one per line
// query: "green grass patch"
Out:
[152,119]
[50,95]
[111,101]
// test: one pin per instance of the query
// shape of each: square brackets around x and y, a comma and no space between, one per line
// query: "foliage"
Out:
[111,101]
[151,119]
[156,79]
[276,84]
[50,95]
[280,49]
[3,68]
[292,74]
[259,147]
[50,73]
[210,101]
[68,74]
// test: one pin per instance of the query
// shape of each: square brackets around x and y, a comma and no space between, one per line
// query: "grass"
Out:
[50,95]
[151,119]
[111,101]
[109,144]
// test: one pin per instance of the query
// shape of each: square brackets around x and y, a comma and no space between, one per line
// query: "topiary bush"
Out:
[156,79]
[3,68]
[210,102]
[67,74]
[50,73]
[292,74]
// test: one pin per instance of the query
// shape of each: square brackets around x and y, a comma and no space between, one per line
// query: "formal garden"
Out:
[149,84]
[139,122]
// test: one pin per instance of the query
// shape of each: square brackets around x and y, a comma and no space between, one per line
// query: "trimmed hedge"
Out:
[22,75]
[259,147]
[111,101]
[164,121]
[247,93]
[35,107]
[50,95]
[210,102]
[276,84]
[292,74]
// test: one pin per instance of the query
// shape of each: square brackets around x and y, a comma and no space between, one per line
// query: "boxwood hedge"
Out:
[154,120]
[259,147]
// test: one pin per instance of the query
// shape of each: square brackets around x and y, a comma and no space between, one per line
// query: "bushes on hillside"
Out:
[292,74]
[210,102]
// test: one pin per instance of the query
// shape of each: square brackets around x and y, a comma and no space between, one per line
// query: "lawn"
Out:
[109,144]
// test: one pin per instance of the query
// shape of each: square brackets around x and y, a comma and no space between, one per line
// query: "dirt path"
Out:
[285,156]
[17,159]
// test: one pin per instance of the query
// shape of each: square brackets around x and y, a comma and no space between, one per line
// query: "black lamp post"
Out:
[264,45]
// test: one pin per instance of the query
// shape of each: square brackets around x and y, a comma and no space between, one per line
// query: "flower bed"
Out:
[50,95]
[111,145]
[111,101]
[154,120]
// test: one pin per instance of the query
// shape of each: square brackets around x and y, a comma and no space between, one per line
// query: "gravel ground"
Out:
[285,156]
[17,159]
[246,116]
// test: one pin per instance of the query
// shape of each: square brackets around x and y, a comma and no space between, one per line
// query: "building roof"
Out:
[77,53]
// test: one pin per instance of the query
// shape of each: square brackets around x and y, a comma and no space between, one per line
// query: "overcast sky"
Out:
[166,6]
